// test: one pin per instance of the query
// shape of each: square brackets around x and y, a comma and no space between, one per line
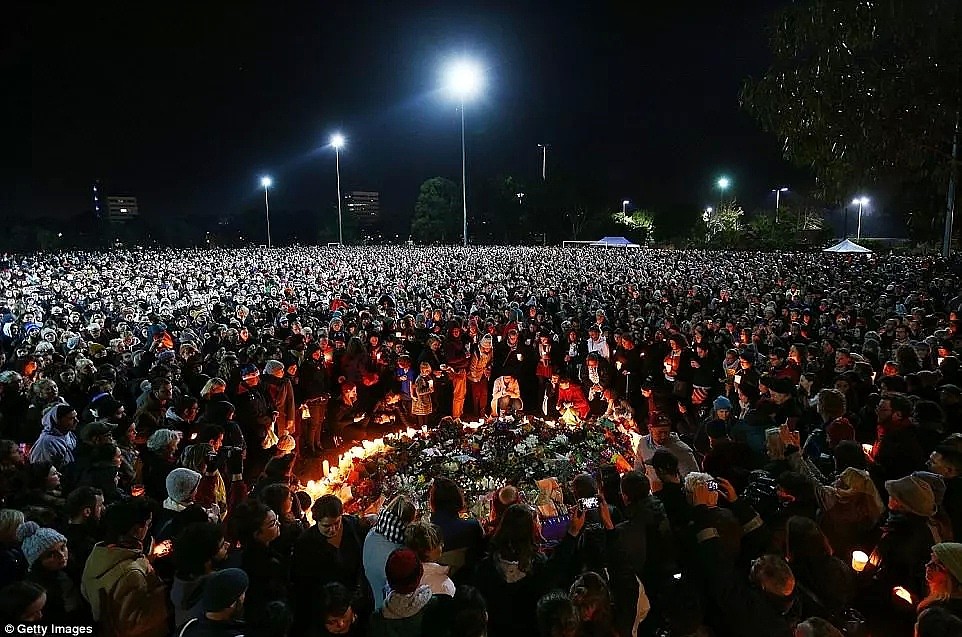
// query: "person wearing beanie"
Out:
[721,413]
[46,553]
[408,602]
[280,396]
[903,549]
[943,576]
[158,460]
[223,604]
[181,486]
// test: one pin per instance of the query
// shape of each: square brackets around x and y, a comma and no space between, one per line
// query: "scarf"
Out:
[401,606]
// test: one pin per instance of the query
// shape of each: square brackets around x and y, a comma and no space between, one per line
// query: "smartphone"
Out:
[677,575]
[713,485]
[588,504]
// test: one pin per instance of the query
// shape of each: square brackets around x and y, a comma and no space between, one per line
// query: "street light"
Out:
[520,197]
[544,161]
[778,192]
[860,201]
[464,79]
[266,183]
[723,183]
[337,140]
[624,207]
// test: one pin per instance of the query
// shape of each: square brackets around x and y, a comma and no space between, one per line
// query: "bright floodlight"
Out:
[625,202]
[781,190]
[708,209]
[337,140]
[860,200]
[464,78]
[266,182]
[724,182]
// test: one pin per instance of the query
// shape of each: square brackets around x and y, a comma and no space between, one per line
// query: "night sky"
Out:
[185,105]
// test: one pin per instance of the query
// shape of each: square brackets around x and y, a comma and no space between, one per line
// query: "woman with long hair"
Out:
[816,569]
[943,577]
[590,595]
[516,574]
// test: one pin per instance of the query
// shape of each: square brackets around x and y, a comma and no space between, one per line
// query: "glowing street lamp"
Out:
[778,192]
[465,80]
[860,201]
[337,140]
[624,207]
[266,183]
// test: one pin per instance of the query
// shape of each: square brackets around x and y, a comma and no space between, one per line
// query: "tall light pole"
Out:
[544,161]
[337,140]
[624,207]
[723,183]
[778,192]
[861,201]
[266,182]
[464,79]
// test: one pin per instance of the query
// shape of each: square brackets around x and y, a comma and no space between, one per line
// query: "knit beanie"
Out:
[838,430]
[404,571]
[722,403]
[223,588]
[914,494]
[950,554]
[35,540]
[162,438]
[181,484]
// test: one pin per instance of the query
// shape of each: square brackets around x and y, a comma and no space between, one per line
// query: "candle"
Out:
[859,560]
[867,448]
[326,469]
[901,593]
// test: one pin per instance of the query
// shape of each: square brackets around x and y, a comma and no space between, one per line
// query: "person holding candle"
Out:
[422,402]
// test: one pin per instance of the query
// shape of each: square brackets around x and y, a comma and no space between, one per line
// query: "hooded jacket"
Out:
[52,445]
[124,593]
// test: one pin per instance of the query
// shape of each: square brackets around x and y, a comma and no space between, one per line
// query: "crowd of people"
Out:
[798,470]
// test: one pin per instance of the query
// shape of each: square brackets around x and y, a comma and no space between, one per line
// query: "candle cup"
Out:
[859,561]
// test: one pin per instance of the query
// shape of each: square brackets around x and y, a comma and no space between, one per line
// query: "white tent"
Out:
[615,242]
[847,247]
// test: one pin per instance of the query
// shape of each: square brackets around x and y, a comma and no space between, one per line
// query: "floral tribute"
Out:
[481,456]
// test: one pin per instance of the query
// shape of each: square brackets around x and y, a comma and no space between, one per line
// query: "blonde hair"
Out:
[423,537]
[10,521]
[209,386]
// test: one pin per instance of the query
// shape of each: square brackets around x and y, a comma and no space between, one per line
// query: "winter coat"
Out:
[268,577]
[280,396]
[316,562]
[187,597]
[421,402]
[124,593]
[54,446]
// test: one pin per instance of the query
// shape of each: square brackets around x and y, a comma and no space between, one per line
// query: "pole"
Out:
[544,162]
[464,179]
[858,233]
[337,167]
[950,197]
[777,193]
[267,211]
[845,228]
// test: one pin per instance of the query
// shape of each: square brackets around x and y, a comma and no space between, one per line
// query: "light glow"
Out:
[724,183]
[266,182]
[860,201]
[464,78]
[337,140]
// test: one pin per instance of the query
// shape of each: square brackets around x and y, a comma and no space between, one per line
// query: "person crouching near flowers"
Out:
[572,404]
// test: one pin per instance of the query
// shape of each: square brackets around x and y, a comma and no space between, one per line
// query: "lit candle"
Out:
[326,468]
[901,593]
[867,448]
[859,560]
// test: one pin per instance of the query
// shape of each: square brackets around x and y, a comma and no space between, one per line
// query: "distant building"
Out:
[121,208]
[365,207]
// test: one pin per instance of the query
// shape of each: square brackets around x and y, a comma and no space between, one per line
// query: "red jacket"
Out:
[576,397]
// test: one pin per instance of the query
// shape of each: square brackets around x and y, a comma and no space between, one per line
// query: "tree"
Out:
[437,212]
[722,228]
[640,221]
[866,93]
